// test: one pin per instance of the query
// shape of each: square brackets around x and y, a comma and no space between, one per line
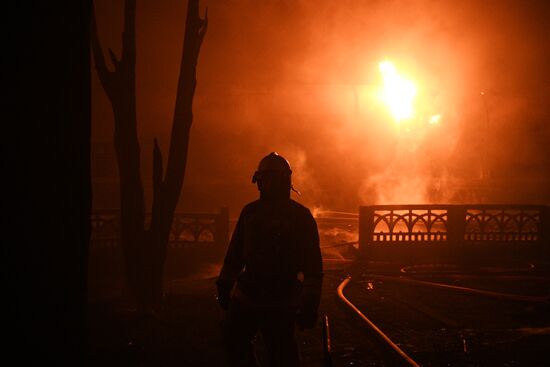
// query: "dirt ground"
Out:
[185,332]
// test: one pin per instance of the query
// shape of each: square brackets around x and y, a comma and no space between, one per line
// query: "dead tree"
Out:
[145,248]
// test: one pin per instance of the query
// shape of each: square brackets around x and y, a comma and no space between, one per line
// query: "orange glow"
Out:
[397,93]
[435,119]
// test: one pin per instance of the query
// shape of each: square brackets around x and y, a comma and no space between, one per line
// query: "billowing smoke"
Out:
[298,77]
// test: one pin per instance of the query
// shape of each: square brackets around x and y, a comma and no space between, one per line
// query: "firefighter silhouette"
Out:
[271,278]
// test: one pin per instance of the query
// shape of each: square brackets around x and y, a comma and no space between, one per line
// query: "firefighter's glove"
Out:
[224,293]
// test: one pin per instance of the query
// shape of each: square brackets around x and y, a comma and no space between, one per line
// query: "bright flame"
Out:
[434,120]
[398,93]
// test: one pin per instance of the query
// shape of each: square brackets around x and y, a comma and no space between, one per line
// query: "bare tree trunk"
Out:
[145,251]
[166,192]
[120,88]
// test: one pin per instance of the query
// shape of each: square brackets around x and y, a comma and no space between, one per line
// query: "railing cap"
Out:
[453,206]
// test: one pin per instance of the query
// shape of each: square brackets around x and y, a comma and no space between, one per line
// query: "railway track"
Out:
[394,351]
[470,290]
[407,319]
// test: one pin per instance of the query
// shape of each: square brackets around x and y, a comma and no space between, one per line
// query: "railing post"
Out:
[456,223]
[456,227]
[366,229]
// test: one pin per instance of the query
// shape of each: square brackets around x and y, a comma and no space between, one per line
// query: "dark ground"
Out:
[185,332]
[494,332]
[443,327]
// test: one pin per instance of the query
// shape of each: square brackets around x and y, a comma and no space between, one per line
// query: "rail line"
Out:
[427,311]
[382,337]
[391,348]
[476,291]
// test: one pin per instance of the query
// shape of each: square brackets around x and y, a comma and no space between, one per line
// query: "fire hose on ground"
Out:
[482,292]
[397,352]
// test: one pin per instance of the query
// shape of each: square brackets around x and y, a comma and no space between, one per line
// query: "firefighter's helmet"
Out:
[272,164]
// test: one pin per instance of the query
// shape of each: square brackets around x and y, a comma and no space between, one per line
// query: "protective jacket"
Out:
[273,242]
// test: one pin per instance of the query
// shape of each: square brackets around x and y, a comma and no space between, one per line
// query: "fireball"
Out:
[434,120]
[398,93]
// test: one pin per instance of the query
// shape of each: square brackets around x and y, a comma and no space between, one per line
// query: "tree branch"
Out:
[114,60]
[99,59]
[195,30]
